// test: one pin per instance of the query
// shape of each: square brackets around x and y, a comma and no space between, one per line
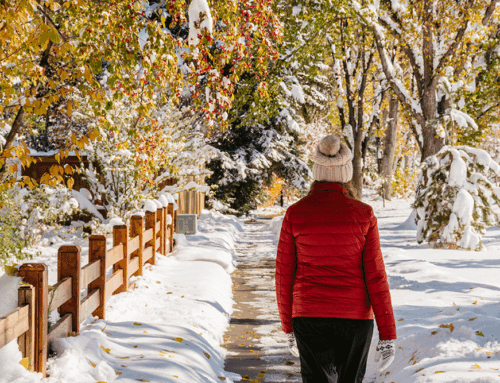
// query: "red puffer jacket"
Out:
[329,262]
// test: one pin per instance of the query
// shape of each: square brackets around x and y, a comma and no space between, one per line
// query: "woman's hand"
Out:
[386,350]
[292,344]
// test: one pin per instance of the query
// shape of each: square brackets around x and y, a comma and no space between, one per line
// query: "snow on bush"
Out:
[455,199]
[26,215]
[196,9]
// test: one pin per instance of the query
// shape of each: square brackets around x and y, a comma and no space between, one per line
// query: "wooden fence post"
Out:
[164,230]
[97,250]
[136,229]
[26,341]
[69,265]
[36,274]
[177,201]
[120,235]
[151,223]
[170,211]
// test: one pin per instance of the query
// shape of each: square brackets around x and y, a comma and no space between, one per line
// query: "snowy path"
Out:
[256,344]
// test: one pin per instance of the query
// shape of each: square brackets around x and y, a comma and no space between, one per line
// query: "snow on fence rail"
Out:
[133,247]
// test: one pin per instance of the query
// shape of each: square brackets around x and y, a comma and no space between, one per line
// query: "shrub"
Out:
[455,198]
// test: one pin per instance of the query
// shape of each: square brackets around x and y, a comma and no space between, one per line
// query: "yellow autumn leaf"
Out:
[179,340]
[471,319]
[439,372]
[420,369]
[118,372]
[474,303]
[106,350]
[71,182]
[142,380]
[207,355]
[122,357]
[69,108]
[222,378]
[450,326]
[10,270]
[92,364]
[400,319]
[137,324]
[479,333]
[25,362]
[477,366]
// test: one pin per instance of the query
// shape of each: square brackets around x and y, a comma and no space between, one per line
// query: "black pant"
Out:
[332,350]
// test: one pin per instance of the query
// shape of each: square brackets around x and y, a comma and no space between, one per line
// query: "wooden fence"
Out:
[133,247]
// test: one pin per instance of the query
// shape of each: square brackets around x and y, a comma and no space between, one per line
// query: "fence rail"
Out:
[133,247]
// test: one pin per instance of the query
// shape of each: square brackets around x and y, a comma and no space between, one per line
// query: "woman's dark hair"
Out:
[347,188]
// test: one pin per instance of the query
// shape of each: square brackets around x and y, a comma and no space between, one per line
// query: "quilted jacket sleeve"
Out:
[376,283]
[285,274]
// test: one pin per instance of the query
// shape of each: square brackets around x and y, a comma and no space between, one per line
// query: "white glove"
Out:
[292,344]
[386,350]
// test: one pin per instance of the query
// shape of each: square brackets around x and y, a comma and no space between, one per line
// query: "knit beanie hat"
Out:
[332,161]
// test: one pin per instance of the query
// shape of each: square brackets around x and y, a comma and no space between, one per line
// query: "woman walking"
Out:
[330,276]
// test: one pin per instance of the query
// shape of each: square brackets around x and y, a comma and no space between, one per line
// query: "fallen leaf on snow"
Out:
[179,340]
[106,350]
[25,362]
[450,326]
[207,355]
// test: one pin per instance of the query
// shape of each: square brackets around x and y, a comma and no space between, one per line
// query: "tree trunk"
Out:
[357,165]
[16,126]
[391,133]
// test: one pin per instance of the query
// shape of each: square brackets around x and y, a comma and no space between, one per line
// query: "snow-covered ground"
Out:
[169,329]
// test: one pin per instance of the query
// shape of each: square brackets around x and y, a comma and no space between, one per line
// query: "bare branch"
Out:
[489,11]
[407,50]
[385,67]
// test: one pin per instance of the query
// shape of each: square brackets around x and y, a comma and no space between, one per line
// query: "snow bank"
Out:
[274,226]
[217,230]
[169,329]
[409,224]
